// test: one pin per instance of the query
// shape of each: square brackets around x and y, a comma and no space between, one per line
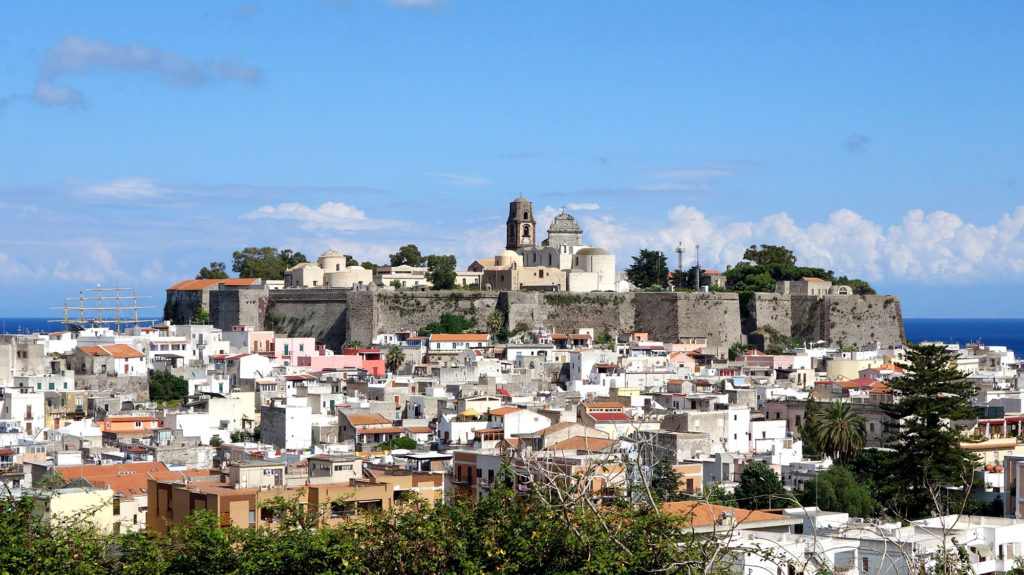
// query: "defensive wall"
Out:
[859,320]
[336,316]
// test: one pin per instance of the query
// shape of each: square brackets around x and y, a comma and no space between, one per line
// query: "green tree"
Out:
[408,255]
[266,262]
[838,489]
[664,482]
[649,269]
[809,431]
[216,271]
[394,358]
[929,399]
[441,272]
[164,386]
[760,488]
[860,287]
[216,441]
[683,279]
[495,321]
[840,431]
[397,443]
[201,316]
[768,254]
[448,323]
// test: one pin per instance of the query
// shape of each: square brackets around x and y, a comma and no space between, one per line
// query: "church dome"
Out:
[331,253]
[593,252]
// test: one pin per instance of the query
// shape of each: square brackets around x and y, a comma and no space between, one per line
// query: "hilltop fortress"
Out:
[559,286]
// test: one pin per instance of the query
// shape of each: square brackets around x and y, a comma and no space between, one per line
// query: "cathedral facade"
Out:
[560,263]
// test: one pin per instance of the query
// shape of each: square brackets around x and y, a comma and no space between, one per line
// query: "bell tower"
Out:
[520,228]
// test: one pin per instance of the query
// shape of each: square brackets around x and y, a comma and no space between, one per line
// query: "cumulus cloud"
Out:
[328,216]
[936,247]
[79,55]
[582,207]
[462,180]
[122,189]
[91,262]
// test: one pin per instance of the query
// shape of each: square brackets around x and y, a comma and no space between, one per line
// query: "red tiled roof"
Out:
[610,416]
[583,444]
[198,285]
[504,410]
[706,514]
[366,419]
[118,350]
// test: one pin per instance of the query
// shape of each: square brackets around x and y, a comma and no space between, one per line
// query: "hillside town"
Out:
[143,428]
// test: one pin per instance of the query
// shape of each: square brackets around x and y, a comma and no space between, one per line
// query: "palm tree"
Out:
[394,358]
[840,431]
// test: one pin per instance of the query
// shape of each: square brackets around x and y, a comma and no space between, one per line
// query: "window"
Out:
[252,516]
[117,505]
[138,424]
[864,564]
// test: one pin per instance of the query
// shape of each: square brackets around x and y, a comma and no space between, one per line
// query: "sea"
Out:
[1008,332]
[989,331]
[41,324]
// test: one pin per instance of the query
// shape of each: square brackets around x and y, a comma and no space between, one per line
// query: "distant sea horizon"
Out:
[990,331]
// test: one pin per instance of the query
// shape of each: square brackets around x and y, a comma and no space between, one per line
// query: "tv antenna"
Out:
[696,271]
[90,308]
[680,250]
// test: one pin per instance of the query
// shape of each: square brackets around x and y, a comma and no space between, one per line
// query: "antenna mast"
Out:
[696,272]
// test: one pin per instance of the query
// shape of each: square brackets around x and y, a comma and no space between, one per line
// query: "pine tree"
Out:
[930,399]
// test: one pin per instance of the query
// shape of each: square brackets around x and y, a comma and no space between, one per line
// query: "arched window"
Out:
[526,215]
[526,231]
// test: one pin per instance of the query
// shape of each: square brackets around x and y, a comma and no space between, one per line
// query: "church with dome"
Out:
[560,263]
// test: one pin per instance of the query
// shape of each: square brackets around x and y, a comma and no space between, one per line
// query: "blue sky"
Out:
[140,141]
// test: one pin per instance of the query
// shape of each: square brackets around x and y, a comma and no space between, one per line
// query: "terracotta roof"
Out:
[366,418]
[458,337]
[610,416]
[812,279]
[504,410]
[126,479]
[118,350]
[419,429]
[6,451]
[583,444]
[706,514]
[198,285]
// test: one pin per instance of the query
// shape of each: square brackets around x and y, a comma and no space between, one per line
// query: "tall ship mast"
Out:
[122,309]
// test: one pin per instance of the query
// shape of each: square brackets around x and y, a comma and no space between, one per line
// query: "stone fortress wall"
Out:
[336,316]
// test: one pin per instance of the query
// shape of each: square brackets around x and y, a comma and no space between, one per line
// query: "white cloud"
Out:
[328,216]
[79,55]
[462,180]
[583,207]
[936,247]
[122,189]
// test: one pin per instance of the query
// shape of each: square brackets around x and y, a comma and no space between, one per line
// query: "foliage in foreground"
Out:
[502,533]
